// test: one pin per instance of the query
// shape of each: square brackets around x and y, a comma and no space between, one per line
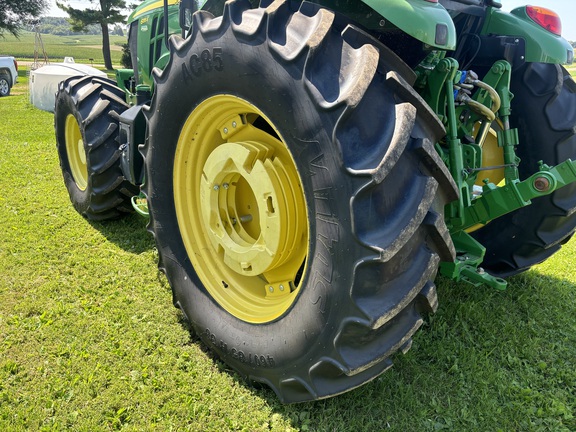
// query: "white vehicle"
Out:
[8,74]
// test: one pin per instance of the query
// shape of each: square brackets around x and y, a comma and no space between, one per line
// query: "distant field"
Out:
[572,70]
[82,48]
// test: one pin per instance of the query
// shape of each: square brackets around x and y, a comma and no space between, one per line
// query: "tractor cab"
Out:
[148,37]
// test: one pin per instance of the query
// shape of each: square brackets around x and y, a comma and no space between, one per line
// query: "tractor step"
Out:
[140,205]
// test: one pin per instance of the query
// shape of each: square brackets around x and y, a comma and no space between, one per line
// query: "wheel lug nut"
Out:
[225,185]
[271,289]
[216,187]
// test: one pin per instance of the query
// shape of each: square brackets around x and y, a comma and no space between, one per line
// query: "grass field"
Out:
[89,339]
[82,48]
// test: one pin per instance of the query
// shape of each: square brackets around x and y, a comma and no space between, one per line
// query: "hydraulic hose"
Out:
[496,101]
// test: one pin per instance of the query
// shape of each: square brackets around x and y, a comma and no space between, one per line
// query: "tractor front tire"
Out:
[544,111]
[295,196]
[86,117]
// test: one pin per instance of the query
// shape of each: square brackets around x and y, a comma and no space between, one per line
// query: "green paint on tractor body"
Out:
[541,46]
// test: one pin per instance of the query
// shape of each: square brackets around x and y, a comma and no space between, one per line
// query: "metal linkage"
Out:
[466,267]
[497,201]
[470,109]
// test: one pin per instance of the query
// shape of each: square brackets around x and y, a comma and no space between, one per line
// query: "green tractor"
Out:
[308,167]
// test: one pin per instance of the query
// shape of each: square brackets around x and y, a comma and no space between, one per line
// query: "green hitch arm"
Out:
[497,201]
[493,203]
[469,255]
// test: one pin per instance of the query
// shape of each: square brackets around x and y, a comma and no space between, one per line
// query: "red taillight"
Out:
[16,65]
[545,18]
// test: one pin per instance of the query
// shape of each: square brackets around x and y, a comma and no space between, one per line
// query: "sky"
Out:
[57,12]
[565,8]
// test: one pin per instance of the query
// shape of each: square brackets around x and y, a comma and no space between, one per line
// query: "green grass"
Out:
[82,48]
[572,69]
[89,339]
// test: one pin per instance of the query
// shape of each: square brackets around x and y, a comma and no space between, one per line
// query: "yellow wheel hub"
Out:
[76,153]
[492,156]
[240,208]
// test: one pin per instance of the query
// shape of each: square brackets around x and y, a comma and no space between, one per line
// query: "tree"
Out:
[14,13]
[110,12]
[117,30]
[126,59]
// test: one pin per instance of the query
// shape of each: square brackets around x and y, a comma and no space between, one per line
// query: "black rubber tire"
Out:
[96,103]
[5,85]
[544,111]
[375,188]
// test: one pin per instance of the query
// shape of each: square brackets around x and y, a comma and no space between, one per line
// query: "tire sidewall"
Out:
[64,106]
[329,273]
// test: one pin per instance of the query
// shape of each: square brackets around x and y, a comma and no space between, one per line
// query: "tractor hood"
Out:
[148,6]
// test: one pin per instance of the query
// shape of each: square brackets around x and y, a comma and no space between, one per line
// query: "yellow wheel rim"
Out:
[76,153]
[492,156]
[241,209]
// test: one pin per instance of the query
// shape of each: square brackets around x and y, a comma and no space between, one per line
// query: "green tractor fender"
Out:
[426,21]
[541,46]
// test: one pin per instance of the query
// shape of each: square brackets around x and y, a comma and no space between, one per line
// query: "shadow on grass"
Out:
[128,233]
[487,360]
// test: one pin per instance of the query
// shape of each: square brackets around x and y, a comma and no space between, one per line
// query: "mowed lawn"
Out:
[89,339]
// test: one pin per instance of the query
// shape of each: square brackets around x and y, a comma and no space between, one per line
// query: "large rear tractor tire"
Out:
[544,111]
[295,196]
[86,117]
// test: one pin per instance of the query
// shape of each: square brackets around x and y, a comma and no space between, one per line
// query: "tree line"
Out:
[61,27]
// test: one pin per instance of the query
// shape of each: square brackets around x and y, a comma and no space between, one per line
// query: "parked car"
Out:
[8,74]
